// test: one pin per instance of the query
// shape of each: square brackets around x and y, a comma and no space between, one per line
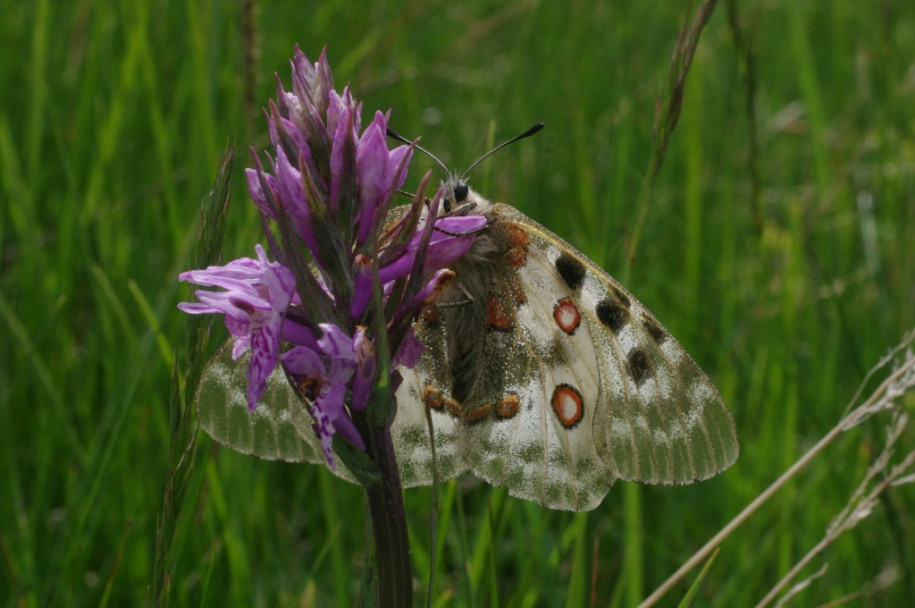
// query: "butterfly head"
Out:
[460,190]
[459,199]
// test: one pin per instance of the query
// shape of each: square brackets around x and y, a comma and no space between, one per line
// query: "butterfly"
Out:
[541,372]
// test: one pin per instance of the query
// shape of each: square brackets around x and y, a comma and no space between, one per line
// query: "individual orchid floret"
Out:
[322,375]
[257,294]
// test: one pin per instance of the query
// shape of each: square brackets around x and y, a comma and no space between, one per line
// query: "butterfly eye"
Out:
[461,190]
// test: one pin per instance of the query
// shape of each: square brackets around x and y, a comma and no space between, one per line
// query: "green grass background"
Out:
[785,288]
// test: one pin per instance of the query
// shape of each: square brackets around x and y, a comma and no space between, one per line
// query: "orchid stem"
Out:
[389,525]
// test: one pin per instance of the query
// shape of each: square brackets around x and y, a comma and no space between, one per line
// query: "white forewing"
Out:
[602,390]
[547,452]
[658,418]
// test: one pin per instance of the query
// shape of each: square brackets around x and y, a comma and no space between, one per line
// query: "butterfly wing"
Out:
[410,431]
[580,385]
[647,412]
[280,427]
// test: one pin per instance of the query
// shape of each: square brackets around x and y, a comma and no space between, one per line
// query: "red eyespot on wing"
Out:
[566,315]
[567,405]
[508,407]
[516,255]
[498,316]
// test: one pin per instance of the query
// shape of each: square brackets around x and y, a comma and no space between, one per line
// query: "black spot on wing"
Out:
[639,365]
[571,270]
[654,330]
[612,314]
[621,297]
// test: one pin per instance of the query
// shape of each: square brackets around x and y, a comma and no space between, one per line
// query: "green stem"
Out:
[389,525]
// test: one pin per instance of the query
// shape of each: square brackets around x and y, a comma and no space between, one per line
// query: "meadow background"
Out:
[778,248]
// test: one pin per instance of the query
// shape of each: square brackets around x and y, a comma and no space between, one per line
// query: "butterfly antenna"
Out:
[394,135]
[534,129]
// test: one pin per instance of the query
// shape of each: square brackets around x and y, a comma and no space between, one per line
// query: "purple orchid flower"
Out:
[327,188]
[325,373]
[257,293]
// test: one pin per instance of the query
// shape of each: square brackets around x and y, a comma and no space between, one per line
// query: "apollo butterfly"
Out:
[542,374]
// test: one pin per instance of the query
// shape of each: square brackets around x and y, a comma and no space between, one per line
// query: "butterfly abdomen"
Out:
[480,318]
[465,308]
